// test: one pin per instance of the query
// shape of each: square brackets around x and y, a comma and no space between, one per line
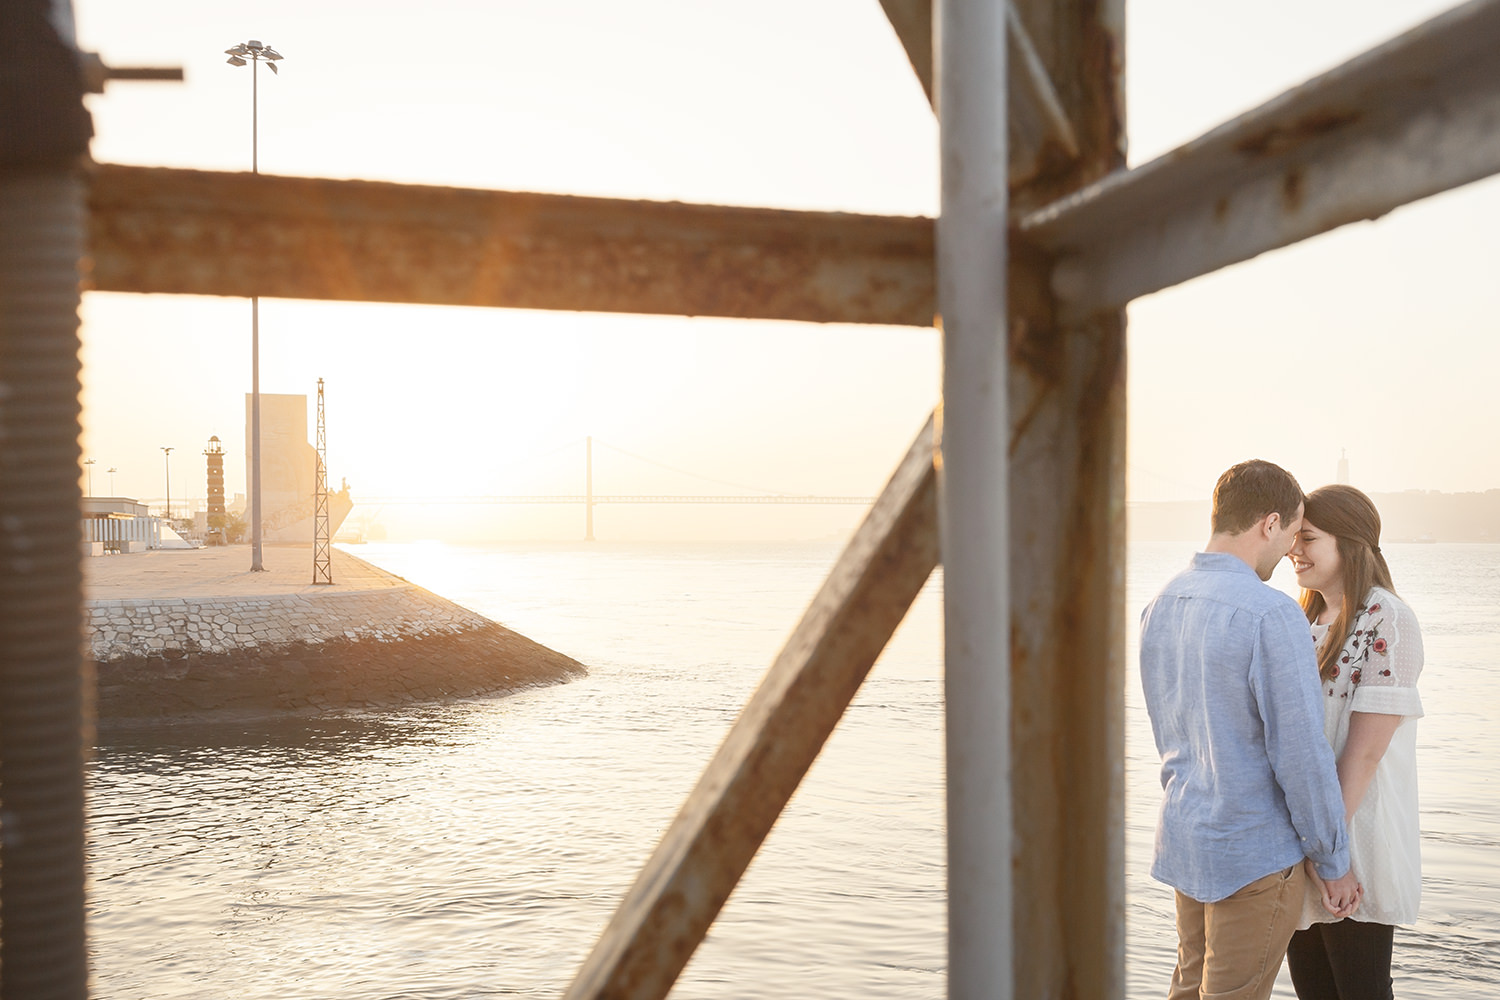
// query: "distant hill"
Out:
[1415,515]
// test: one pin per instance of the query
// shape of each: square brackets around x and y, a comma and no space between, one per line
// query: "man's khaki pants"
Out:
[1232,949]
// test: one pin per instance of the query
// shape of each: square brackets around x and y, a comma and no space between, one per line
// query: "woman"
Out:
[1369,657]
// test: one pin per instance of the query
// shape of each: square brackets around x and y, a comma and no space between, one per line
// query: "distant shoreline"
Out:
[1411,516]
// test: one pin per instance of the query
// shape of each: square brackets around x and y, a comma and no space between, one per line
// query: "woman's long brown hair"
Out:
[1351,518]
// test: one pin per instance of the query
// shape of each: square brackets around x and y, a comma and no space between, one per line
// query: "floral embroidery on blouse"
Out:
[1361,643]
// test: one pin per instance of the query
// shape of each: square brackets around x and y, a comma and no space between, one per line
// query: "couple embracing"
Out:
[1287,734]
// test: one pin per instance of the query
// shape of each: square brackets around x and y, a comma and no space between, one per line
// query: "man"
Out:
[1249,782]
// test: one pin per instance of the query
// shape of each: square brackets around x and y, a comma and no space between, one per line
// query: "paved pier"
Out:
[192,632]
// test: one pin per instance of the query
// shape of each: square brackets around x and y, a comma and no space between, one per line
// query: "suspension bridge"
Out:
[589,499]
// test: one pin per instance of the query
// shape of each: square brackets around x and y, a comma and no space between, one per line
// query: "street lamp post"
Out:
[112,471]
[167,458]
[254,53]
[90,463]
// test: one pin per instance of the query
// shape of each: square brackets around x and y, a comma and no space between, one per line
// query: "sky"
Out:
[1376,340]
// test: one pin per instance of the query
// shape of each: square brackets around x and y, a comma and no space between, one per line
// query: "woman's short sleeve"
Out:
[1388,653]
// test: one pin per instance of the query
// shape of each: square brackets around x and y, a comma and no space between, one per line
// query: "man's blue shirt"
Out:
[1249,782]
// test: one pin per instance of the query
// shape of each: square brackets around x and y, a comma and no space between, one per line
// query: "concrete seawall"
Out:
[194,633]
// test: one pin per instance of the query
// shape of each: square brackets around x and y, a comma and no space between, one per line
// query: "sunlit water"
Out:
[477,849]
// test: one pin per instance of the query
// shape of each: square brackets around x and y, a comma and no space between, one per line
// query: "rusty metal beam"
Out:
[1066,390]
[202,233]
[1038,134]
[1411,118]
[773,743]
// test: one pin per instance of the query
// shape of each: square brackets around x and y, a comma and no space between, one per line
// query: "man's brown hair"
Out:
[1251,490]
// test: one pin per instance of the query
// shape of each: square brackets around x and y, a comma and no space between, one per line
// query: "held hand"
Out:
[1341,896]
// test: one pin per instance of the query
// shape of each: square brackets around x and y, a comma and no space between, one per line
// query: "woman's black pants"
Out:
[1344,960]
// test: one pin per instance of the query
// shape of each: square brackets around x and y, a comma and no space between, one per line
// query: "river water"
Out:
[477,849]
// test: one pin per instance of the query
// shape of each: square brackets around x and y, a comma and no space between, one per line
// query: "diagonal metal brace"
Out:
[773,743]
[1037,128]
[1411,118]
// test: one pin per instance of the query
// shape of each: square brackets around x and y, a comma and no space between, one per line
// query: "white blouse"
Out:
[1377,672]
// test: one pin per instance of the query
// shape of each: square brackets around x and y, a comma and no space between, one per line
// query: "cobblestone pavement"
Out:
[225,572]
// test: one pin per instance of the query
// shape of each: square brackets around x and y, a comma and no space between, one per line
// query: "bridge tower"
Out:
[322,557]
[588,489]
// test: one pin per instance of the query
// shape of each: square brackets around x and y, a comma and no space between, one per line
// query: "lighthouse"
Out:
[216,519]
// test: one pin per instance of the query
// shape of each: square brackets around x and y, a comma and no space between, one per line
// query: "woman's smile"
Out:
[1315,559]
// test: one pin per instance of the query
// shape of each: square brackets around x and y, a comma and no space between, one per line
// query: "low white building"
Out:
[113,525]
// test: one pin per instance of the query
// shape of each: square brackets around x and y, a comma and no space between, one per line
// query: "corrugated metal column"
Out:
[44,691]
[969,39]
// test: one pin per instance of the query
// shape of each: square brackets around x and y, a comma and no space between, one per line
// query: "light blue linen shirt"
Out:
[1249,782]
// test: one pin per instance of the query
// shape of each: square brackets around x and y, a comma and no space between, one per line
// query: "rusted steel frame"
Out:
[1414,117]
[1067,558]
[773,743]
[202,233]
[1038,130]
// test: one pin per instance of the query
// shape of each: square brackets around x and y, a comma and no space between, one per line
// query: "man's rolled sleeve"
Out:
[1285,682]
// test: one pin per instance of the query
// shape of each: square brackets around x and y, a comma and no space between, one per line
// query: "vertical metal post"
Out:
[255,542]
[588,488]
[256,564]
[1067,459]
[238,57]
[45,687]
[969,43]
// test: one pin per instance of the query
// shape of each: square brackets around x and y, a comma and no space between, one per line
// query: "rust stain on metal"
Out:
[1086,82]
[1053,159]
[1291,189]
[1033,325]
[1086,651]
[1103,67]
[1278,139]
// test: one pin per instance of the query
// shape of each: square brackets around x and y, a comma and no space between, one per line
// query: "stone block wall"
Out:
[160,626]
[303,652]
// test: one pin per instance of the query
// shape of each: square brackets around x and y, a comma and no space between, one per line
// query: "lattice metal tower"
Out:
[322,556]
